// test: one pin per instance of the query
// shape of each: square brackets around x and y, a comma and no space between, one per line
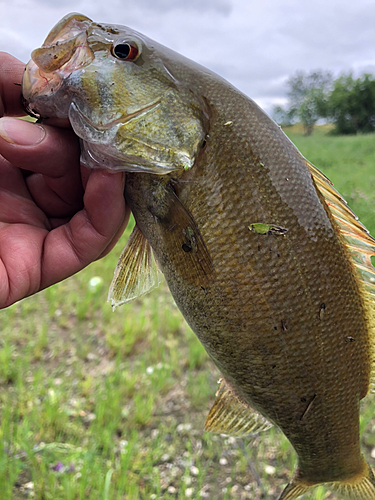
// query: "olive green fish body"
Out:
[263,257]
[278,313]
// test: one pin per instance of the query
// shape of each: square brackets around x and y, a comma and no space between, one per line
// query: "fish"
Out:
[264,258]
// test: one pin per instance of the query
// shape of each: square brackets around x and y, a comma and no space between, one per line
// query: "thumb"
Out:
[21,132]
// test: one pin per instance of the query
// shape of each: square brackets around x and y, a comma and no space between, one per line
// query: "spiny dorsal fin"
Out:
[232,417]
[136,272]
[361,246]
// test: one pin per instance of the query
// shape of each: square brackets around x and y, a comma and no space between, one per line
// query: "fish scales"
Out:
[255,291]
[262,256]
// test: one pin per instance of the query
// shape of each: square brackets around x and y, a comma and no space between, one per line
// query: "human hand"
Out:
[55,215]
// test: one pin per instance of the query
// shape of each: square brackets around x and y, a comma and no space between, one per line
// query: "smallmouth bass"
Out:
[267,263]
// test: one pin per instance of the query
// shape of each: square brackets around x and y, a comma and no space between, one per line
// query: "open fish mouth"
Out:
[61,45]
[64,50]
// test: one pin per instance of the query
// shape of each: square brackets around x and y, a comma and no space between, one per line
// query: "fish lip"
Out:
[68,24]
[37,86]
[27,108]
[44,76]
[122,120]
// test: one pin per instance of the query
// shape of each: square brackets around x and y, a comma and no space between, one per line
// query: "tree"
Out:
[281,116]
[351,104]
[308,97]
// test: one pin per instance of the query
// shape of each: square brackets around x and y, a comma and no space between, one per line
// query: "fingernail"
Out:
[21,132]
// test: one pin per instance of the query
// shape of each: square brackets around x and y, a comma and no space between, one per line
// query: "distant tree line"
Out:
[347,102]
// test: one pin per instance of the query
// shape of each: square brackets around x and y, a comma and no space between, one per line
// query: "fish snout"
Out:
[64,51]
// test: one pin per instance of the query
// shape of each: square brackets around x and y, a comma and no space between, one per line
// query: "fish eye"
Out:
[125,51]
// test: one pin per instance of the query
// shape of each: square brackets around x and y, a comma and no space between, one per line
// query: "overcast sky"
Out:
[255,44]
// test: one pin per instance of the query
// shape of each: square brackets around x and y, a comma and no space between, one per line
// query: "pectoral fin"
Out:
[136,272]
[231,416]
[184,243]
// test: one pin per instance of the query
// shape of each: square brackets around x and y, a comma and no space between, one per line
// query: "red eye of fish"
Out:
[125,51]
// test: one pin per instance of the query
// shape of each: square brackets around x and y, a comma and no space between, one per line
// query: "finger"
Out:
[118,234]
[16,209]
[53,155]
[56,122]
[31,146]
[11,70]
[58,198]
[12,180]
[20,261]
[71,247]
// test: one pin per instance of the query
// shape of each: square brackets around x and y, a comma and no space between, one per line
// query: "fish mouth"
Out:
[62,43]
[91,131]
[64,50]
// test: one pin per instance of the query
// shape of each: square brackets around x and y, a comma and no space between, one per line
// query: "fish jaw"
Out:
[64,51]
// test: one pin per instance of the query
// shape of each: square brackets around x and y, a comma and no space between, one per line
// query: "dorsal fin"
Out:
[361,246]
[136,272]
[231,416]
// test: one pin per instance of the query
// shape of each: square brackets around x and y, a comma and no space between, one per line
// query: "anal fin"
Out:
[229,415]
[184,243]
[136,272]
[293,490]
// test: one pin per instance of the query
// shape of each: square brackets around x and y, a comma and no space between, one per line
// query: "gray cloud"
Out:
[255,45]
[222,6]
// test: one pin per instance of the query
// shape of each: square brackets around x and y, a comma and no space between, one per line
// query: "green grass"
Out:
[103,405]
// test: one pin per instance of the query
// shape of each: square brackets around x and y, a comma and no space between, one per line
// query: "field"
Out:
[109,405]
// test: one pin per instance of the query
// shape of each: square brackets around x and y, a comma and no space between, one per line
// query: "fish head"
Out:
[120,91]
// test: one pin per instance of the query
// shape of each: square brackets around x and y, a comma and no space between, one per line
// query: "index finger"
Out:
[11,70]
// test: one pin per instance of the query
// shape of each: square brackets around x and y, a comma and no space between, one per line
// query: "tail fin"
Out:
[359,487]
[362,487]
